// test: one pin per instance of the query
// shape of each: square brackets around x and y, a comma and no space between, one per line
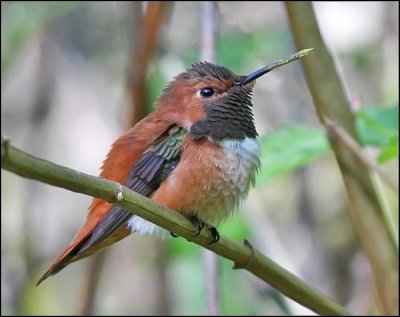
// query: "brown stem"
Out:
[144,46]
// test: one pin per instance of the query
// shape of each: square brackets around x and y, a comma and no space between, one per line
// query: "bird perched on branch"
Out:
[197,154]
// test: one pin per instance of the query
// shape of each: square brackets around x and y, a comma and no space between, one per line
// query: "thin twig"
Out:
[91,284]
[337,134]
[210,259]
[243,256]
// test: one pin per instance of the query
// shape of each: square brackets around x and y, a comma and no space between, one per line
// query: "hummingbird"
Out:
[196,154]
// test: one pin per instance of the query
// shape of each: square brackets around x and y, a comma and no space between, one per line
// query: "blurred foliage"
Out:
[35,18]
[288,148]
[238,51]
[379,126]
[234,50]
[291,147]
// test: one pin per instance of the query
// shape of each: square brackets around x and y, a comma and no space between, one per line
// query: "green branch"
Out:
[244,255]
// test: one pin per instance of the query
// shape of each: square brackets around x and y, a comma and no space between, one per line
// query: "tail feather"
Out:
[65,258]
[123,155]
[73,252]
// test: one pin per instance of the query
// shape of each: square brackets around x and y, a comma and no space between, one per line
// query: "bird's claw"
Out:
[199,225]
[214,234]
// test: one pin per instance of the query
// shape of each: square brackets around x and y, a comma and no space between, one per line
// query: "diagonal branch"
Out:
[243,255]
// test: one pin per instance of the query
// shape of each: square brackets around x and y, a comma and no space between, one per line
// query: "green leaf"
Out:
[377,125]
[391,150]
[288,148]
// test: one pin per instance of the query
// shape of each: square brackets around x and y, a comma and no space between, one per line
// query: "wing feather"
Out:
[130,156]
[145,177]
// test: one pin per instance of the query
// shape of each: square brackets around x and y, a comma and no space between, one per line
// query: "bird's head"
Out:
[212,102]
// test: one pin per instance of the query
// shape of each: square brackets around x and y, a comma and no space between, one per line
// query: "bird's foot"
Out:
[200,224]
[214,234]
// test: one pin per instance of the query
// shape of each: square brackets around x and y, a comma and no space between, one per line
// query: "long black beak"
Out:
[268,68]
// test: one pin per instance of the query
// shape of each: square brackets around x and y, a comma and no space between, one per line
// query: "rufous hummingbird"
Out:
[197,154]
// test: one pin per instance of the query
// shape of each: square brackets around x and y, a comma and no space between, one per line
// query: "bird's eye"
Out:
[206,92]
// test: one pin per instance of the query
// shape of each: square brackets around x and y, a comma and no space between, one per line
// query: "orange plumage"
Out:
[196,154]
[122,156]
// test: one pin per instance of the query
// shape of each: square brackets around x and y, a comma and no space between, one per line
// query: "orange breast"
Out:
[210,179]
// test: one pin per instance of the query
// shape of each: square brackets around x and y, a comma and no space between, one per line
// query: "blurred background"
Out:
[70,74]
